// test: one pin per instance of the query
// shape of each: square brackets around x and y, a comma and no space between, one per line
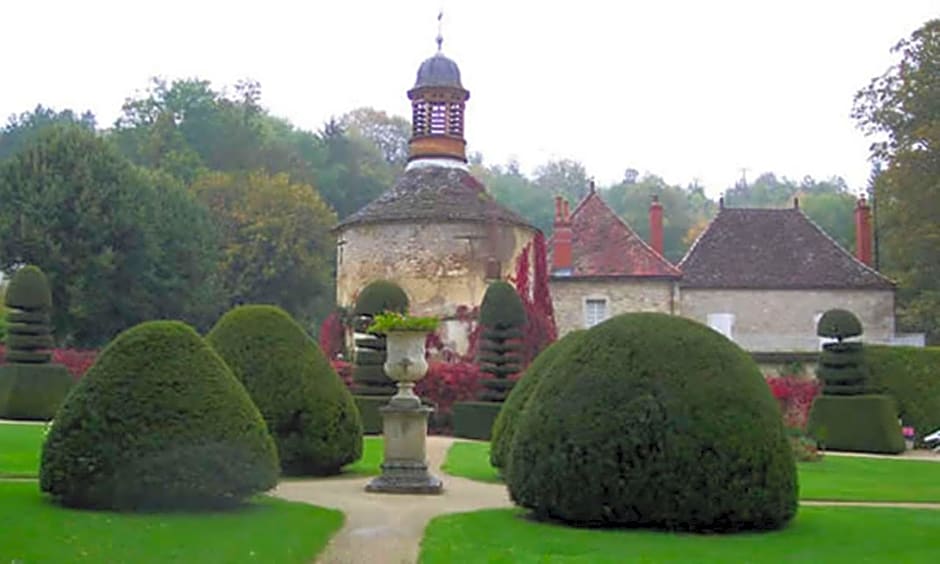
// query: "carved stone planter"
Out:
[405,421]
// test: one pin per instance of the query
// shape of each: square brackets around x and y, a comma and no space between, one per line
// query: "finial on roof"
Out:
[440,32]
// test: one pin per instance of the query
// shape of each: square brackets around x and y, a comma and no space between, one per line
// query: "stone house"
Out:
[601,267]
[437,233]
[760,276]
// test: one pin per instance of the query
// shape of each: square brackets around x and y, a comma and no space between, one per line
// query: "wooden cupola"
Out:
[438,100]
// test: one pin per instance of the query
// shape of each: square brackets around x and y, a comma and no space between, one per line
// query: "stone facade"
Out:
[439,265]
[785,320]
[622,295]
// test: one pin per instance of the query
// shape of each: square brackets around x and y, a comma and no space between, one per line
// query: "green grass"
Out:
[19,450]
[836,478]
[818,534]
[20,447]
[267,530]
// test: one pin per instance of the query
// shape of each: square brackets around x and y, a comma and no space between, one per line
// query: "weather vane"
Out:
[440,33]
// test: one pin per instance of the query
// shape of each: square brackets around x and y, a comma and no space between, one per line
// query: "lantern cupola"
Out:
[438,100]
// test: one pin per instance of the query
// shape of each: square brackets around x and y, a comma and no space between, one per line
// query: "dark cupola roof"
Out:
[438,71]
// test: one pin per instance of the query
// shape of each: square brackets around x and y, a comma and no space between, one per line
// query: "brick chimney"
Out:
[863,235]
[561,244]
[656,225]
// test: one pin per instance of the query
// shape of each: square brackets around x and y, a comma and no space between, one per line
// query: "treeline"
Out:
[198,199]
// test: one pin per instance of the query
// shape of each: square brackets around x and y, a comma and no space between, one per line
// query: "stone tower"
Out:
[436,232]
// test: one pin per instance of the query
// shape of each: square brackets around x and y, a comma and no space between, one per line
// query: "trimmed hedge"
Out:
[841,368]
[838,324]
[32,391]
[504,427]
[29,290]
[502,315]
[912,377]
[369,413]
[309,412]
[856,423]
[159,421]
[474,419]
[654,420]
[379,296]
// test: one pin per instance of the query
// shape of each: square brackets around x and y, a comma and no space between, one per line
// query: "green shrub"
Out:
[379,296]
[504,428]
[308,410]
[912,377]
[30,387]
[502,315]
[838,324]
[474,419]
[158,421]
[658,421]
[856,423]
[841,369]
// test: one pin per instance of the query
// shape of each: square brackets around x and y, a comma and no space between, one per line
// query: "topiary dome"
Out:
[307,408]
[502,307]
[838,324]
[29,290]
[654,420]
[158,421]
[379,296]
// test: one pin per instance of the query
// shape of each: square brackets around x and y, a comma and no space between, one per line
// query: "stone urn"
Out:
[405,365]
[405,420]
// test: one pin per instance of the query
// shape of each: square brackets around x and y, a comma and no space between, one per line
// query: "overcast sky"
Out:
[687,90]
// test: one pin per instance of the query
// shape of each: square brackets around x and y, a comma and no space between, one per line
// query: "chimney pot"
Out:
[863,232]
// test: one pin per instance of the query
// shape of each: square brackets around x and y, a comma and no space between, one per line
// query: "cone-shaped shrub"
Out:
[502,315]
[30,387]
[504,428]
[657,421]
[308,410]
[159,421]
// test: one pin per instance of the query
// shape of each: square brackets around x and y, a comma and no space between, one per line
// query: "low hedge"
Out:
[33,391]
[911,376]
[369,413]
[474,419]
[866,423]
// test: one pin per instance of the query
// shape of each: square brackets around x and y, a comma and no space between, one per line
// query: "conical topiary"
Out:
[159,421]
[840,363]
[30,387]
[307,408]
[502,316]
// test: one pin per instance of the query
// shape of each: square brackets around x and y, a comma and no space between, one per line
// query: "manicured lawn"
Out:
[818,534]
[267,530]
[834,478]
[20,447]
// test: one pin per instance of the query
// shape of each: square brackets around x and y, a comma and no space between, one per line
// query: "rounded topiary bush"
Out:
[29,290]
[379,296]
[158,421]
[656,421]
[838,324]
[307,408]
[504,428]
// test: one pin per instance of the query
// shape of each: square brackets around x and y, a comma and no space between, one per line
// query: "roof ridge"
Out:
[845,251]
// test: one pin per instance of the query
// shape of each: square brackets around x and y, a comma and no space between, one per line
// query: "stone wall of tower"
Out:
[441,266]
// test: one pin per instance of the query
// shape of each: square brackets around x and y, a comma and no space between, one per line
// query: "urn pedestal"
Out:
[405,421]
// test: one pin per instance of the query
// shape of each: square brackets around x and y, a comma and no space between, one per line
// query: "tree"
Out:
[901,108]
[120,245]
[514,190]
[390,134]
[276,245]
[22,129]
[566,177]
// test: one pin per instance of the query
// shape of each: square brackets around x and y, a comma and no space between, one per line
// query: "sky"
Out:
[692,91]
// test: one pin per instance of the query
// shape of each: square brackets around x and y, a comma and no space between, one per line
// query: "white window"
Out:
[595,311]
[723,323]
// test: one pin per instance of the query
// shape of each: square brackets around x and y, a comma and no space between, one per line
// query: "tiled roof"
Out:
[604,245]
[772,249]
[435,193]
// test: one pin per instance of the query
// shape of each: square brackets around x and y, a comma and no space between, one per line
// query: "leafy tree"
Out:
[566,177]
[514,190]
[835,213]
[22,129]
[390,134]
[275,238]
[120,245]
[901,108]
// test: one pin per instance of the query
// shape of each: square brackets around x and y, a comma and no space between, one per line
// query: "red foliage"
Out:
[540,329]
[75,360]
[343,370]
[332,335]
[795,396]
[449,382]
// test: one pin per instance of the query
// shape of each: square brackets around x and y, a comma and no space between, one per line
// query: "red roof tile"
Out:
[604,245]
